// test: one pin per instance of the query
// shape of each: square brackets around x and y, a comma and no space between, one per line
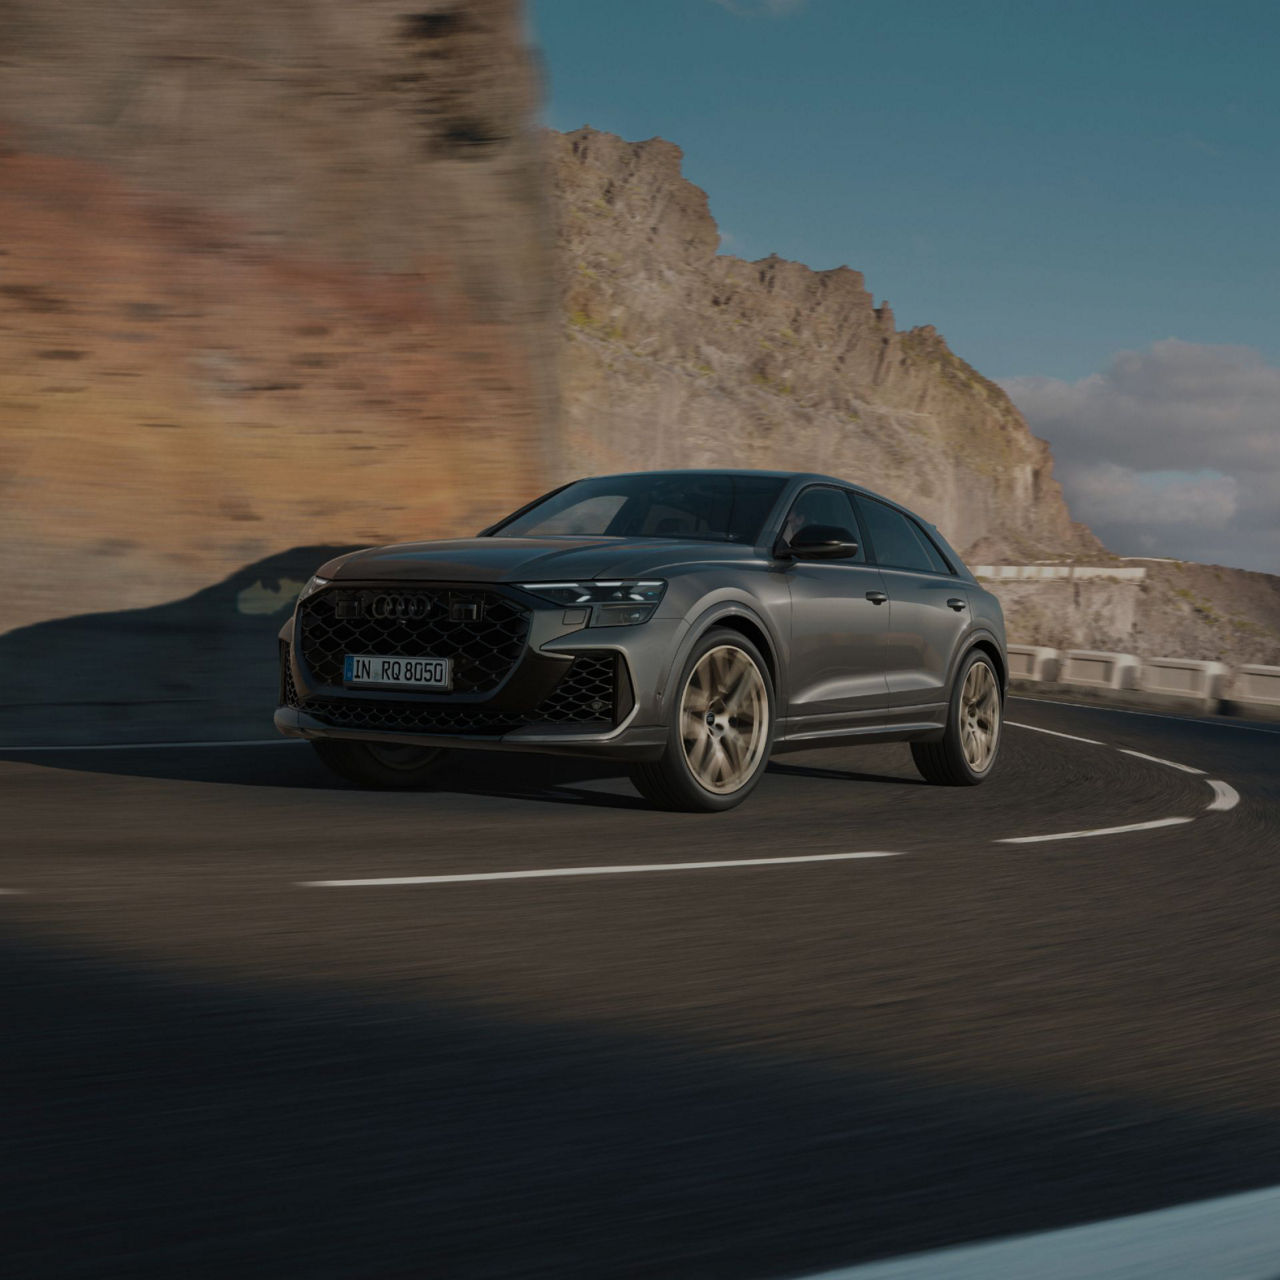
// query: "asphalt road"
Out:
[212,1067]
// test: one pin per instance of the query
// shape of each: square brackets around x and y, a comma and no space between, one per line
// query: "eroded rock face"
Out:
[273,274]
[676,355]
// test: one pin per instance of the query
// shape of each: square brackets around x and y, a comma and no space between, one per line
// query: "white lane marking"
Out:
[1229,1238]
[1220,722]
[1053,733]
[1172,764]
[1224,796]
[154,746]
[588,871]
[12,891]
[1097,831]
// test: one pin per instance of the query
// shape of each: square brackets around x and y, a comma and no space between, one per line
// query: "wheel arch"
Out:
[987,644]
[731,615]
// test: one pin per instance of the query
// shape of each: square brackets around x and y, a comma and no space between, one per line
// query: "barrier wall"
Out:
[1049,572]
[1257,688]
[1185,684]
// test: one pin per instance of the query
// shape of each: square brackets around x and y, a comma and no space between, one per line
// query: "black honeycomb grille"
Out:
[482,632]
[585,693]
[409,717]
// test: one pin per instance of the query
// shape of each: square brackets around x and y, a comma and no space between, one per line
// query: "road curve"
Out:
[261,1024]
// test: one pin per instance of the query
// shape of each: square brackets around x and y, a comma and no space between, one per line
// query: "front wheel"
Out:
[382,765]
[967,753]
[721,729]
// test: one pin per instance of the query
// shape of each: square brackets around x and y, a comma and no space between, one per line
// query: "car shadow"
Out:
[200,668]
[292,765]
[841,775]
[473,772]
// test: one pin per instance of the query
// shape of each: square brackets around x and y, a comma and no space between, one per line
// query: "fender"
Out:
[735,605]
[966,644]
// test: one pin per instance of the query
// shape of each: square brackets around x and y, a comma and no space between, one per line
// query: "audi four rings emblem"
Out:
[395,606]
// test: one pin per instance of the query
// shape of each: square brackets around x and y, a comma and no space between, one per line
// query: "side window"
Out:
[823,505]
[898,543]
[931,550]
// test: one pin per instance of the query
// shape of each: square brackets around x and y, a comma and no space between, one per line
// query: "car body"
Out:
[859,636]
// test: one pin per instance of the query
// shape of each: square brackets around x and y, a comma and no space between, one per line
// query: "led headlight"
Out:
[622,603]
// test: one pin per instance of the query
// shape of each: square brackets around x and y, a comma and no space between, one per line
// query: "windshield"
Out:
[711,508]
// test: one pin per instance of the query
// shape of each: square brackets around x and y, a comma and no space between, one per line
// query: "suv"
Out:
[685,623]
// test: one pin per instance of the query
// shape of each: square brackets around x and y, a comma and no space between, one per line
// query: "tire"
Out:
[962,758]
[715,754]
[388,766]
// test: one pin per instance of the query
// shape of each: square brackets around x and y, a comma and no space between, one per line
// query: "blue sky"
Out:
[1051,184]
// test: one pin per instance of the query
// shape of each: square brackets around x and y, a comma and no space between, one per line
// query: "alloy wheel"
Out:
[979,717]
[724,719]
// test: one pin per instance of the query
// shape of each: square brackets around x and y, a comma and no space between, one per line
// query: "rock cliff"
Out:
[677,355]
[270,274]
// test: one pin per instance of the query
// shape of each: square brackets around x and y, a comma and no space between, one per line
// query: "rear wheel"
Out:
[967,753]
[384,765]
[721,729]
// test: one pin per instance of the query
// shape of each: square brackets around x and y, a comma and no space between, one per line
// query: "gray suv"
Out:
[686,623]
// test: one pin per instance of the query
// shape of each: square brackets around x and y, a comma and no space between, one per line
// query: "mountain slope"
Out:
[676,355]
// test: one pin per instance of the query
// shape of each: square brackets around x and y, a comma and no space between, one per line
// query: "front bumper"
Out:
[571,690]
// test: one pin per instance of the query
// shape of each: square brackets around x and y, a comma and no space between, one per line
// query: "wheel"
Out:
[967,753]
[720,732]
[383,765]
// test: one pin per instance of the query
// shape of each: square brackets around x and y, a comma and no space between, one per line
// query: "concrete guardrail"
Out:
[1056,572]
[1123,679]
[1093,669]
[1184,681]
[1256,689]
[1033,662]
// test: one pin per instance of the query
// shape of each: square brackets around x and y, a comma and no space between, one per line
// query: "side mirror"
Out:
[823,542]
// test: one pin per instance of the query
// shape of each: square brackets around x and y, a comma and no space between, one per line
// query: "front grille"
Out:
[586,692]
[482,632]
[409,717]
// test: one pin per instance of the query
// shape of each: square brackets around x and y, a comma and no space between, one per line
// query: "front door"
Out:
[836,671]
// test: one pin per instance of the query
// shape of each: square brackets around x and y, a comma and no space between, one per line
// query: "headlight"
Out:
[314,584]
[614,604]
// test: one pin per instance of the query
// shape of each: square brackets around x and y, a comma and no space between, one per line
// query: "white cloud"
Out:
[1172,450]
[1111,494]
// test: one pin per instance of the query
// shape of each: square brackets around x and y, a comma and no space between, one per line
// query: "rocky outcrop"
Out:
[1178,611]
[270,274]
[676,355]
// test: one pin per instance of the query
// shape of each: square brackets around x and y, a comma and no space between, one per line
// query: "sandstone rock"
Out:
[271,274]
[676,355]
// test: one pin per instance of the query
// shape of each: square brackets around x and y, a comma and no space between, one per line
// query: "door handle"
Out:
[877,597]
[955,603]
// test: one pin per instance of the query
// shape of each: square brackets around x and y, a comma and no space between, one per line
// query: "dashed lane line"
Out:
[1054,733]
[1224,796]
[1171,764]
[551,872]
[1096,831]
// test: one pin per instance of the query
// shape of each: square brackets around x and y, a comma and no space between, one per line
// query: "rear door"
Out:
[836,669]
[928,610]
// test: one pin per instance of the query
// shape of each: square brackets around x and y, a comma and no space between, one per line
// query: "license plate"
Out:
[397,673]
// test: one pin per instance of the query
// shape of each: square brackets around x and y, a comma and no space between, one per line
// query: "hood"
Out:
[526,559]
